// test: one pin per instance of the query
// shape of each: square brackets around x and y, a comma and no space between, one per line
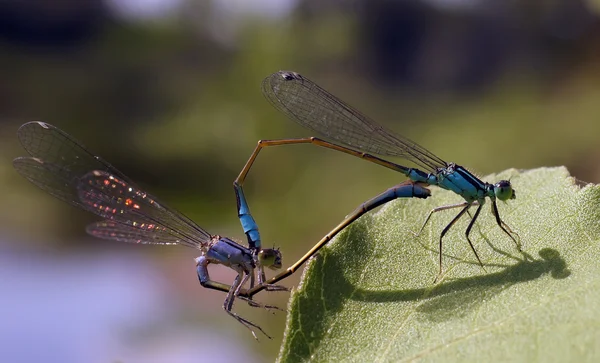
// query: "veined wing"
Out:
[125,233]
[115,200]
[54,146]
[69,176]
[311,106]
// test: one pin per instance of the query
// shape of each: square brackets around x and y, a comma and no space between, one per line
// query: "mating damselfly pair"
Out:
[64,168]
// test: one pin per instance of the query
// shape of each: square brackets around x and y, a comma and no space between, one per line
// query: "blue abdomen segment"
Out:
[248,223]
[417,175]
[405,190]
[408,189]
[462,182]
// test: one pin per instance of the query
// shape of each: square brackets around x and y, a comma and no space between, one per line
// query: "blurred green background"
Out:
[169,92]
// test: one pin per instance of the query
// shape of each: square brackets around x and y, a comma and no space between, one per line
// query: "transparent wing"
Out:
[124,233]
[51,178]
[311,106]
[54,146]
[114,199]
[65,169]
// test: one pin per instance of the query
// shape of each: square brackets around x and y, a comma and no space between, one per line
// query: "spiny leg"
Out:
[228,304]
[252,280]
[255,304]
[271,286]
[239,293]
[469,231]
[439,209]
[473,204]
[267,286]
[274,287]
[233,292]
[202,270]
[447,228]
[251,302]
[504,226]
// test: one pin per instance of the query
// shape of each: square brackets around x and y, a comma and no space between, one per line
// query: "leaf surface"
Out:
[369,295]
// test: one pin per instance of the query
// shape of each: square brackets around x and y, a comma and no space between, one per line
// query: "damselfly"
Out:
[311,106]
[64,168]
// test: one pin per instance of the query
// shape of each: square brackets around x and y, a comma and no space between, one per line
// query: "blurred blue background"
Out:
[169,92]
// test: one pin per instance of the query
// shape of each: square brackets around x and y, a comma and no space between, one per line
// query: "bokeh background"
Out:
[169,92]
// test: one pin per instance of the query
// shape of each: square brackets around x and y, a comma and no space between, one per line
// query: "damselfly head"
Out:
[503,190]
[270,257]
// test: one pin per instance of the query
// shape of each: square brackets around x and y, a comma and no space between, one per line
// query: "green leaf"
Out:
[369,296]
